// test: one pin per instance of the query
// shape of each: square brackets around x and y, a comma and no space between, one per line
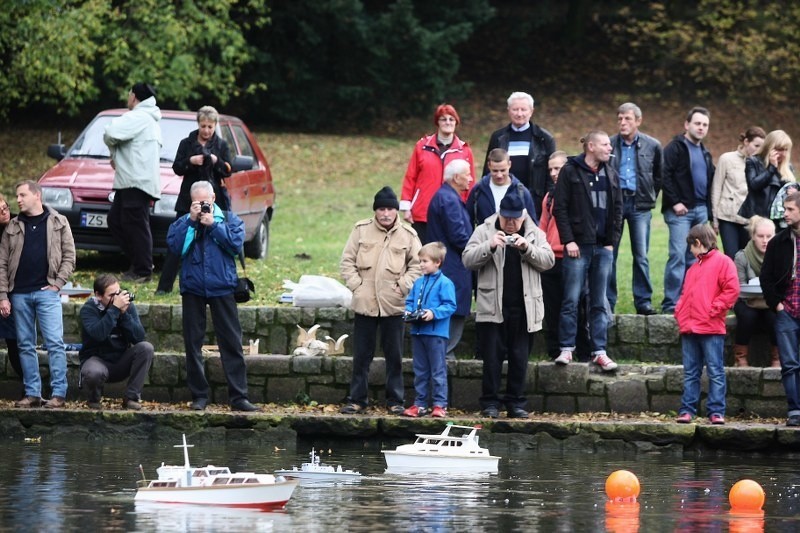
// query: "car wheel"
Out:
[258,246]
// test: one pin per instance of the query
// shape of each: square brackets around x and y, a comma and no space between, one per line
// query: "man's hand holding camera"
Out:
[502,240]
[202,212]
[122,300]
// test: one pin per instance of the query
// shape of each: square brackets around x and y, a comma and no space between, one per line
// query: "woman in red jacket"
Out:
[710,289]
[425,173]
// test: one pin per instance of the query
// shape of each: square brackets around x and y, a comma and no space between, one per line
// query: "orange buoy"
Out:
[746,495]
[622,486]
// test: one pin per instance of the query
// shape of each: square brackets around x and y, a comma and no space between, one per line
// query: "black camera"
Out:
[413,316]
[131,296]
[205,207]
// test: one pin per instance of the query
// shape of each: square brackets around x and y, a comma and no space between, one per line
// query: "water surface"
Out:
[68,485]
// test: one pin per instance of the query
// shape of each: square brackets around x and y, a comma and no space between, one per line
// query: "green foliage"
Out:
[730,48]
[46,52]
[68,53]
[336,60]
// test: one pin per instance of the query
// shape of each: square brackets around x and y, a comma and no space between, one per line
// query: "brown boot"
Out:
[740,352]
[776,359]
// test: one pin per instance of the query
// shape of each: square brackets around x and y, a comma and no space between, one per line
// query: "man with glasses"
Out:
[113,343]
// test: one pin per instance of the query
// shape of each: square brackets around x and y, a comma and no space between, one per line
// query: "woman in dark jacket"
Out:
[202,156]
[766,173]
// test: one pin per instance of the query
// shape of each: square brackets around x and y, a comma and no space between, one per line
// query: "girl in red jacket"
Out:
[710,289]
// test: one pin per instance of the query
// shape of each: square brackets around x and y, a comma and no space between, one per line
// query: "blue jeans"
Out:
[787,335]
[698,349]
[639,230]
[43,307]
[594,263]
[680,258]
[430,368]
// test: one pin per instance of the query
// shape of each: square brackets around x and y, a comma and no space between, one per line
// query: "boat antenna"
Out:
[185,450]
[142,471]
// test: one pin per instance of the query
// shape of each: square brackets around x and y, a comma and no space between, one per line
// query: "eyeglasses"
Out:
[4,209]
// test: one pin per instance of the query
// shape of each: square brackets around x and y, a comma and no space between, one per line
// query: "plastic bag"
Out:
[318,291]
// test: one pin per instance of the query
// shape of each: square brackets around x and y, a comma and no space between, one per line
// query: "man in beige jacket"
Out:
[379,264]
[508,251]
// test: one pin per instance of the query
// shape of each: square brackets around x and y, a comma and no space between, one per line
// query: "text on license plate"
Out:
[94,220]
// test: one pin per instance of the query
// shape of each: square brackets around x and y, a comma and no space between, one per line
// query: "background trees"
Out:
[316,64]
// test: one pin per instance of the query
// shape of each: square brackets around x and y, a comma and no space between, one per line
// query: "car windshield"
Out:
[90,142]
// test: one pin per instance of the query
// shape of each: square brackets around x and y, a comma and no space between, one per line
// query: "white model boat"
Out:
[443,453]
[214,485]
[315,470]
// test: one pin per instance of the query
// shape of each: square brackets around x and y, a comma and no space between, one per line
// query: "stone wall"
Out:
[578,387]
[648,339]
[649,382]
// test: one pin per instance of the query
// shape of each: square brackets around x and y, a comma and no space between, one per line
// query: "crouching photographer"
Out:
[113,348]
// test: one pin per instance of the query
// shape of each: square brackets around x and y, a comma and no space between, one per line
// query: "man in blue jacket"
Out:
[449,223]
[208,241]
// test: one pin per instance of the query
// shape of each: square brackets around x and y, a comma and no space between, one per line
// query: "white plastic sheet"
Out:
[318,291]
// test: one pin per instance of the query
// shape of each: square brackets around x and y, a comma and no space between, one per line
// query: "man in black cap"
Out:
[134,140]
[379,264]
[508,251]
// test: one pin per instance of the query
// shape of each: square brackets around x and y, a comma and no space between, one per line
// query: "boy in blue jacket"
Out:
[429,306]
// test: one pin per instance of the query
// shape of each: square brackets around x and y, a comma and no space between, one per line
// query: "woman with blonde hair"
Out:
[752,312]
[729,190]
[767,173]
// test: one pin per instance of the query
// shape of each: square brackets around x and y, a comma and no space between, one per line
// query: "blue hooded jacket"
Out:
[437,293]
[208,264]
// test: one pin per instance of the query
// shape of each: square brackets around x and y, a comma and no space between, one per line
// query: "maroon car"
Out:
[79,185]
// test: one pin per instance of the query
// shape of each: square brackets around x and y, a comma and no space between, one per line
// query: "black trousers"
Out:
[129,222]
[750,320]
[365,330]
[134,364]
[228,334]
[513,333]
[170,269]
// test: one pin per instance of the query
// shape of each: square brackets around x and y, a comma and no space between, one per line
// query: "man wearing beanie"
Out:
[507,251]
[379,264]
[134,140]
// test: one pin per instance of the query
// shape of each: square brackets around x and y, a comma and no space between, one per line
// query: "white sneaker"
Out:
[605,362]
[564,358]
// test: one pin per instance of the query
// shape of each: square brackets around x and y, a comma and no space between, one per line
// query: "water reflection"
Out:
[68,485]
[185,518]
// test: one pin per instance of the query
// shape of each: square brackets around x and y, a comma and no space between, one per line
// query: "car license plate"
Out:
[94,220]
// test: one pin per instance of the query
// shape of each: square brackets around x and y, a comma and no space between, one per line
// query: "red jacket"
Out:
[711,288]
[548,225]
[425,174]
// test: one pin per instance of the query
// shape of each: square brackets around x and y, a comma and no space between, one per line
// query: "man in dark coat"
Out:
[449,223]
[528,145]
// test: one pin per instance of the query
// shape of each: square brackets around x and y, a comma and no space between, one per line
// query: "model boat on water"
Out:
[315,470]
[214,485]
[443,453]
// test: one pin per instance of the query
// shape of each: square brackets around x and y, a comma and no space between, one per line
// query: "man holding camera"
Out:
[508,251]
[208,240]
[113,343]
